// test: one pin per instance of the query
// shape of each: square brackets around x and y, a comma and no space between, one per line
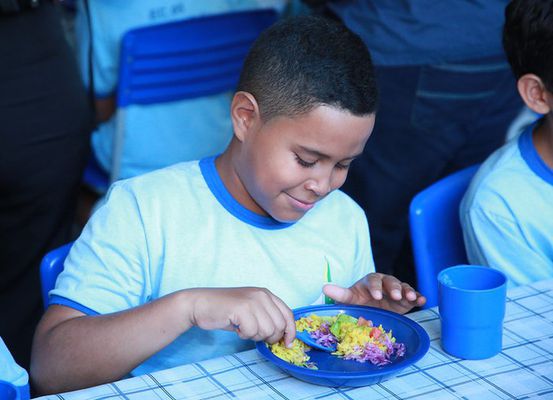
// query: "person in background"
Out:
[192,261]
[447,100]
[46,120]
[507,212]
[12,374]
[156,135]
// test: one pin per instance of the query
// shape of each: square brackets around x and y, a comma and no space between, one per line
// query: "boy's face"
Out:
[286,165]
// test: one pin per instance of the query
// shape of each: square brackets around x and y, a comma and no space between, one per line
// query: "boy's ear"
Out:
[244,112]
[533,92]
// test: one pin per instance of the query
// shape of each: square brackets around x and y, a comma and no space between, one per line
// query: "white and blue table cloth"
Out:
[523,370]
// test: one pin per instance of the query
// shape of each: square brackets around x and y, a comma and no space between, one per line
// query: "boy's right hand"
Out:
[253,313]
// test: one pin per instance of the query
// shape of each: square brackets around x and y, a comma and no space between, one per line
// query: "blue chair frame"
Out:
[436,234]
[50,268]
[180,60]
[183,60]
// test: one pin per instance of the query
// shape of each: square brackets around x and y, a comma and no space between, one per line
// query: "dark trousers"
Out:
[45,122]
[431,121]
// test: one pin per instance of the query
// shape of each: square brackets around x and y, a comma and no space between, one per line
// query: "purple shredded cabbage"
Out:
[399,348]
[323,336]
[369,352]
[372,353]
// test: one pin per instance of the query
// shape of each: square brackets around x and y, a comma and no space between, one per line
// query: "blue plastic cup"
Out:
[471,300]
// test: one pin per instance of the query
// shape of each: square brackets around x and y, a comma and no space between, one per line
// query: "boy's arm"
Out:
[71,350]
[105,108]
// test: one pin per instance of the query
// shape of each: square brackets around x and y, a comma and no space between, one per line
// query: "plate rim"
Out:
[386,369]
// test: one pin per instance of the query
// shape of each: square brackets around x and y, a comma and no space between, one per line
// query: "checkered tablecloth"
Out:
[523,370]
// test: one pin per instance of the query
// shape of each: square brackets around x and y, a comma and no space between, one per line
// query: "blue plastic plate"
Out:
[334,371]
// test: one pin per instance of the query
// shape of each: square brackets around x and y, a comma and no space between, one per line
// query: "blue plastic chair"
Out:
[179,60]
[50,268]
[436,233]
[183,60]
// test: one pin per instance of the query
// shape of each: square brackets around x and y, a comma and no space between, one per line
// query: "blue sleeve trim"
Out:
[217,187]
[63,301]
[531,156]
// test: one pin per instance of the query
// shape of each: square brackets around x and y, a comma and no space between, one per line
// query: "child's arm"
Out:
[71,350]
[378,290]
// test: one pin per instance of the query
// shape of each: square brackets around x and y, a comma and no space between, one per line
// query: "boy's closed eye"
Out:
[341,165]
[310,164]
[305,163]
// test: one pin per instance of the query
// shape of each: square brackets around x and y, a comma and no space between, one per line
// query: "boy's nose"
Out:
[320,186]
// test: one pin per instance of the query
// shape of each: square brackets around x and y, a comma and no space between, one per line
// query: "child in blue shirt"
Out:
[198,259]
[507,212]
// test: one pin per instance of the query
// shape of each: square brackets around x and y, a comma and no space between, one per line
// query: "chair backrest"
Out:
[436,232]
[183,60]
[187,59]
[50,268]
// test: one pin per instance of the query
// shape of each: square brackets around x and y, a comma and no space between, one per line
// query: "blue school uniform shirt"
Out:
[179,228]
[155,135]
[421,32]
[507,213]
[11,372]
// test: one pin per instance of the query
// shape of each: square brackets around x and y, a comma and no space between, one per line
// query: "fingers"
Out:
[409,299]
[414,298]
[256,324]
[408,292]
[265,317]
[397,290]
[280,323]
[421,300]
[393,294]
[289,322]
[393,287]
[338,293]
[374,283]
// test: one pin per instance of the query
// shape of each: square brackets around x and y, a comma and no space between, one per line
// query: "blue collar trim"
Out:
[531,156]
[217,187]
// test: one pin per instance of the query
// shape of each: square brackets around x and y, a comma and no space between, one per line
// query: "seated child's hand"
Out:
[378,290]
[253,313]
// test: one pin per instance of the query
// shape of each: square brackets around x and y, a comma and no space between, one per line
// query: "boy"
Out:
[158,277]
[507,212]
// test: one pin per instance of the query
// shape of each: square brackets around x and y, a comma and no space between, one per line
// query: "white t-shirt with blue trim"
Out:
[507,213]
[10,371]
[180,228]
[156,135]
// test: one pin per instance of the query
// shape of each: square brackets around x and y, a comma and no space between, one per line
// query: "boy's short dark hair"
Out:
[528,38]
[306,61]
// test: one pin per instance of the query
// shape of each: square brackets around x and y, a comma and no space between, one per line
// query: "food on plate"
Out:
[356,339]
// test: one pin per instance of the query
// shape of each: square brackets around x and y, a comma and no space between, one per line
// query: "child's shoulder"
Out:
[504,162]
[176,178]
[502,179]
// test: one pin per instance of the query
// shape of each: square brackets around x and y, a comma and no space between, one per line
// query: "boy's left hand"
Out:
[378,290]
